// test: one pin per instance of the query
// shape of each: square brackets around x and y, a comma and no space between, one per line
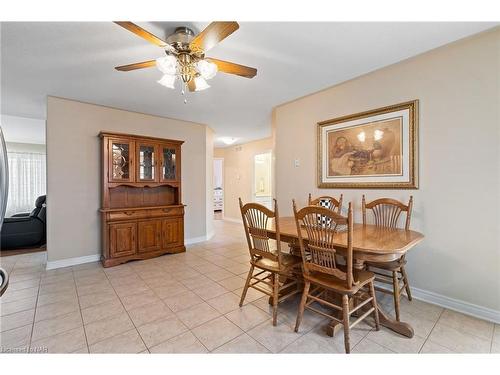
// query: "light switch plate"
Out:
[296,163]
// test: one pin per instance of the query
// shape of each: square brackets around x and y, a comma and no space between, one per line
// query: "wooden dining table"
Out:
[370,243]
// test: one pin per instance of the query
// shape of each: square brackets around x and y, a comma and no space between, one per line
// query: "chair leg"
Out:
[374,304]
[345,318]
[395,286]
[302,305]
[406,282]
[276,286]
[245,288]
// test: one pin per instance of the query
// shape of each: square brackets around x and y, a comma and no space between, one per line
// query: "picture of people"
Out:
[373,148]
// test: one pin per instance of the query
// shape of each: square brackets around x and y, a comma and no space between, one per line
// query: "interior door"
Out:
[122,239]
[149,235]
[147,155]
[121,160]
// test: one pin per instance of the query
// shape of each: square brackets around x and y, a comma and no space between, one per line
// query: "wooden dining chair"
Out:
[387,213]
[327,202]
[324,274]
[277,270]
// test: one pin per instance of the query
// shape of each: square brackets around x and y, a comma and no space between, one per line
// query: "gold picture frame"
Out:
[376,149]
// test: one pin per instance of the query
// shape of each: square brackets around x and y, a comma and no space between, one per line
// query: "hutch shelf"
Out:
[142,213]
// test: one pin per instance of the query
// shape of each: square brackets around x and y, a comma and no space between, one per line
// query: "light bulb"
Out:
[207,69]
[201,84]
[167,81]
[167,64]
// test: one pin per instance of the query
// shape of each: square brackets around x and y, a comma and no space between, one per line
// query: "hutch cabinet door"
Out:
[122,239]
[149,235]
[172,232]
[147,155]
[120,160]
[170,163]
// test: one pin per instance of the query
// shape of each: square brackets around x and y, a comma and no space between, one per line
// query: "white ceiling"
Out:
[75,60]
[23,130]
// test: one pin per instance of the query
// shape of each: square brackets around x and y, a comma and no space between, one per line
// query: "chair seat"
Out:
[287,261]
[331,282]
[394,265]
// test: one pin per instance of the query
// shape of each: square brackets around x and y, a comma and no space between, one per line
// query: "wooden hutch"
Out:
[142,213]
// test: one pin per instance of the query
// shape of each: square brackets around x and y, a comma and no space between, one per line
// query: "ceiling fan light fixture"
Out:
[207,69]
[167,64]
[167,80]
[227,140]
[200,83]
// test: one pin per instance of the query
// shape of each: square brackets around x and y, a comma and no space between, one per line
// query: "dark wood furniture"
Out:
[328,202]
[386,213]
[369,243]
[276,270]
[322,272]
[142,213]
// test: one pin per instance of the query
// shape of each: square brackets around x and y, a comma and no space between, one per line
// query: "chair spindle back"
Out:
[319,253]
[328,202]
[387,211]
[255,220]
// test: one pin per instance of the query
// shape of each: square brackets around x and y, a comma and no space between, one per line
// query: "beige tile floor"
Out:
[188,303]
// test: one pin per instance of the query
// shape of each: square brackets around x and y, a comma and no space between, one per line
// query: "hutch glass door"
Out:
[169,166]
[120,160]
[146,160]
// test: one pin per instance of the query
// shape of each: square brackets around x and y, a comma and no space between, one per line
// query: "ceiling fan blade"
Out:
[144,34]
[213,34]
[232,68]
[139,65]
[192,85]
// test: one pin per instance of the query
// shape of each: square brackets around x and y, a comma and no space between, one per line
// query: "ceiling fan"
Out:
[185,55]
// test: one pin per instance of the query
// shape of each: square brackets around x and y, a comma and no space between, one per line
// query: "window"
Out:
[27,181]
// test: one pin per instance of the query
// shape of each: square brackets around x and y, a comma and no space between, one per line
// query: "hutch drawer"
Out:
[144,214]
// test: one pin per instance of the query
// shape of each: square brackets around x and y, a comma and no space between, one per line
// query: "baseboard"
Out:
[460,306]
[51,265]
[231,220]
[190,241]
[72,261]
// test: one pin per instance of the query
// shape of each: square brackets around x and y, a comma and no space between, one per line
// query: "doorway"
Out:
[24,226]
[262,189]
[218,188]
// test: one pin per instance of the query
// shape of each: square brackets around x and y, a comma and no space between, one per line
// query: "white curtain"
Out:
[27,181]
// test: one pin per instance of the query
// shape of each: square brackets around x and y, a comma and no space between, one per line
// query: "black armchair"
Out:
[26,229]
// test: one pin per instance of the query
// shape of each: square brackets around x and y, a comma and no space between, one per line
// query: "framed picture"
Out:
[377,149]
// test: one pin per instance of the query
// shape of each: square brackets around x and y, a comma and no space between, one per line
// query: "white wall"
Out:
[457,204]
[74,171]
[238,174]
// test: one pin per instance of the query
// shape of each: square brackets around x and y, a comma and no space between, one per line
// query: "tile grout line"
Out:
[34,314]
[300,336]
[197,338]
[234,338]
[176,316]
[467,333]
[430,332]
[81,315]
[121,302]
[492,337]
